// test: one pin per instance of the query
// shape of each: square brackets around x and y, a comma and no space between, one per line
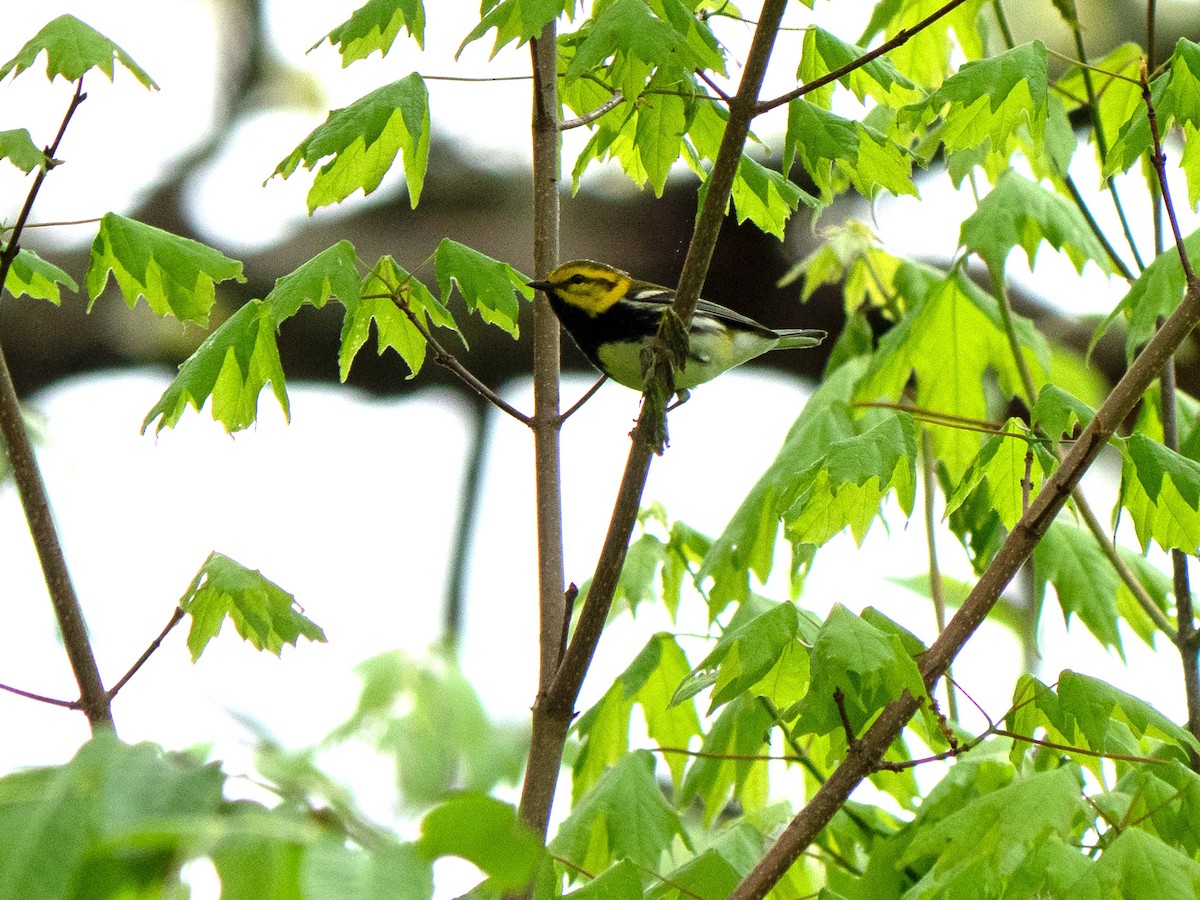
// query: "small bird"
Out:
[612,317]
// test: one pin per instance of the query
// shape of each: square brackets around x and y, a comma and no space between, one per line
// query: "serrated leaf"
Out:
[73,48]
[1156,293]
[987,101]
[1114,80]
[649,681]
[384,294]
[332,273]
[748,649]
[624,816]
[925,57]
[999,470]
[374,26]
[835,151]
[1105,715]
[175,274]
[19,149]
[1084,580]
[1140,866]
[32,275]
[515,20]
[1161,490]
[824,52]
[232,366]
[951,337]
[729,767]
[637,41]
[491,288]
[262,612]
[1020,213]
[363,140]
[488,833]
[868,665]
[1058,413]
[764,196]
[1174,96]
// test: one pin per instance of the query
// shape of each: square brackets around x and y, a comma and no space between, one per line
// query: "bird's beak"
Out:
[539,285]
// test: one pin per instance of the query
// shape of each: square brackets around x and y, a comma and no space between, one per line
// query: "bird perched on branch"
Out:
[613,318]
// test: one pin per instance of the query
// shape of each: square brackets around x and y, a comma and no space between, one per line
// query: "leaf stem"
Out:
[936,588]
[32,488]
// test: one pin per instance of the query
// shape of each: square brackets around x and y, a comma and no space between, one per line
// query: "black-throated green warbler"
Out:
[612,317]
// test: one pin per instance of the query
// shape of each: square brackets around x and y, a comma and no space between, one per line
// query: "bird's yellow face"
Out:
[590,286]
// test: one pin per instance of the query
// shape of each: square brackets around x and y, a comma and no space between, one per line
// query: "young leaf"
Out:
[374,26]
[73,48]
[175,274]
[1083,579]
[1058,413]
[1161,490]
[1020,213]
[515,20]
[625,816]
[628,33]
[868,665]
[32,275]
[383,291]
[728,766]
[953,334]
[988,101]
[649,682]
[18,148]
[925,57]
[363,140]
[488,833]
[1157,291]
[749,648]
[1108,718]
[232,366]
[879,79]
[1114,84]
[1139,864]
[764,196]
[491,288]
[999,471]
[262,612]
[332,273]
[833,150]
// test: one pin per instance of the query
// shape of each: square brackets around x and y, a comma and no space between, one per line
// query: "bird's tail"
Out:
[798,338]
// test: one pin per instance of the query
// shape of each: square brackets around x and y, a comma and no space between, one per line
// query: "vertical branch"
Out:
[545,754]
[555,708]
[32,489]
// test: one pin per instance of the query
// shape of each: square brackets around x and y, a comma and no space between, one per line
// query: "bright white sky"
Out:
[356,519]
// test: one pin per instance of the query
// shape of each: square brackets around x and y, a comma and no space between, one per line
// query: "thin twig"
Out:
[936,588]
[176,618]
[1160,167]
[40,698]
[587,118]
[578,404]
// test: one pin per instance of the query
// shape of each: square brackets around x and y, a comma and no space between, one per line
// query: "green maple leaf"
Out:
[262,612]
[1174,95]
[987,101]
[490,287]
[1161,490]
[1020,213]
[32,275]
[765,197]
[624,816]
[374,26]
[175,274]
[1156,293]
[824,52]
[869,665]
[1135,860]
[232,367]
[999,471]
[925,57]
[18,148]
[1114,83]
[237,360]
[835,150]
[649,682]
[952,336]
[363,140]
[1057,413]
[1084,581]
[727,766]
[515,20]
[73,48]
[383,291]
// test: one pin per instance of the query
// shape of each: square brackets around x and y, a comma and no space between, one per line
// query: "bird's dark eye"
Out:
[577,279]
